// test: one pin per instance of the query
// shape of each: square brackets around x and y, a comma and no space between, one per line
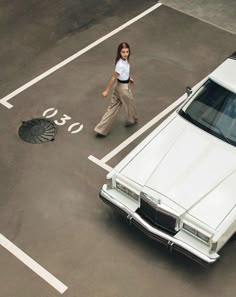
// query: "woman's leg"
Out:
[104,126]
[129,104]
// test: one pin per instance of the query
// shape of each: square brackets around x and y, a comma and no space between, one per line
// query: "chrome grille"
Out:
[157,217]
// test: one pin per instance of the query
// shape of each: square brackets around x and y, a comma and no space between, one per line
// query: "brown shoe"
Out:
[128,124]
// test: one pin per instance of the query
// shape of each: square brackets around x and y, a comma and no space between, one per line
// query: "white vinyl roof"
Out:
[225,75]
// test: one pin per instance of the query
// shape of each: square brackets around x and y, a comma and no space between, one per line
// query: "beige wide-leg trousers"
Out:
[122,95]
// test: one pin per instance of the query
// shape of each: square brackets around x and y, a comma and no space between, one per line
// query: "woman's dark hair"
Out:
[120,47]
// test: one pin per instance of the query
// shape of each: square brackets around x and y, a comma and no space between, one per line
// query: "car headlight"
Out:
[197,233]
[203,236]
[127,191]
[189,228]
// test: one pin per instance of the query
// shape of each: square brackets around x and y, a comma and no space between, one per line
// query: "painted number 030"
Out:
[51,112]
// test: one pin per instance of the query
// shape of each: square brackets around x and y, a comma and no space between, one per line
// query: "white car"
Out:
[179,184]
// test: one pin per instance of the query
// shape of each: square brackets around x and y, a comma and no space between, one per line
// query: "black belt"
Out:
[124,81]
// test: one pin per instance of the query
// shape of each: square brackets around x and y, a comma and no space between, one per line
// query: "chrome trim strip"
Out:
[156,234]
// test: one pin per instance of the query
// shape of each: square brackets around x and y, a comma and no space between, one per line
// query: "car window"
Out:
[213,108]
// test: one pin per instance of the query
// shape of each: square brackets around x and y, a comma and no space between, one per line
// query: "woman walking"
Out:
[122,94]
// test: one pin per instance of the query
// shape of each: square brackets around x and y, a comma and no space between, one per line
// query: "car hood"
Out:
[189,167]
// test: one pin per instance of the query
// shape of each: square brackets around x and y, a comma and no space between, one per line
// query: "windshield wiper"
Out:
[222,134]
[187,116]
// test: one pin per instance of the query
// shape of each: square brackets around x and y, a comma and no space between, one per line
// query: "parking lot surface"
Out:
[49,205]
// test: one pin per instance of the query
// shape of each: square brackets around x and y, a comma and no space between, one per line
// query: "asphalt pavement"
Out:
[49,205]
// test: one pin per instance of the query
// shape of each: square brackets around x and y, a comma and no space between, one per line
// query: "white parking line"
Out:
[100,163]
[38,269]
[4,100]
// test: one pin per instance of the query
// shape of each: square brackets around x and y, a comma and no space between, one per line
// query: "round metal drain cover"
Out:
[37,131]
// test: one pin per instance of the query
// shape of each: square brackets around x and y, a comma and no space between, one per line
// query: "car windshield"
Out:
[213,109]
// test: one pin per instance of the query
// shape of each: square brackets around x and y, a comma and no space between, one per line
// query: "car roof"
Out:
[225,74]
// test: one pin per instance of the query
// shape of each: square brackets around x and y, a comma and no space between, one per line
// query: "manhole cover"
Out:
[37,131]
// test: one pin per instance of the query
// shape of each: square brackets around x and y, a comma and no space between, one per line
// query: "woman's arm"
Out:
[113,78]
[131,80]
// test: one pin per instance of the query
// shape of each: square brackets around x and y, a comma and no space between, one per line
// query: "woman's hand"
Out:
[131,81]
[112,80]
[104,94]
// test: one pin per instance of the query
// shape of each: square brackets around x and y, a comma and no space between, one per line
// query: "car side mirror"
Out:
[189,90]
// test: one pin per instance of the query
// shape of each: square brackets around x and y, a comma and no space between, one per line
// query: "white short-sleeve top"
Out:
[123,68]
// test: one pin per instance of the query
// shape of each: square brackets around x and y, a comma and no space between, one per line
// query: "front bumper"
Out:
[170,241]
